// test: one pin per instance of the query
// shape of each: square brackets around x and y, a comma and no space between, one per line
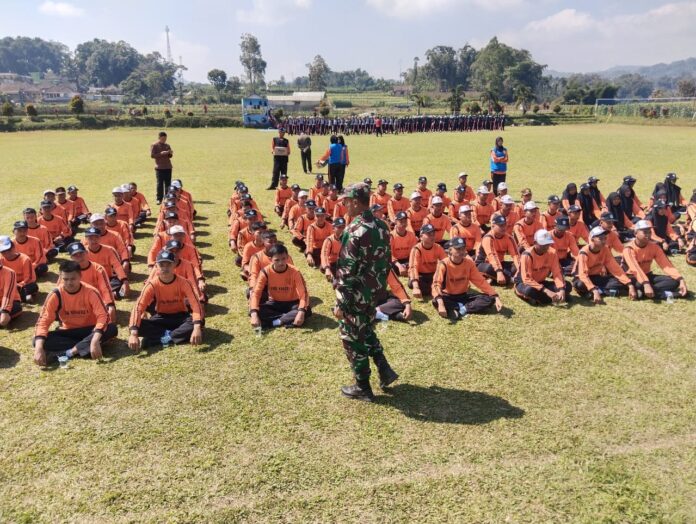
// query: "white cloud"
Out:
[407,9]
[271,13]
[573,40]
[62,9]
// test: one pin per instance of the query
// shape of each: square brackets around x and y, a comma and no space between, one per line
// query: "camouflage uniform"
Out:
[361,275]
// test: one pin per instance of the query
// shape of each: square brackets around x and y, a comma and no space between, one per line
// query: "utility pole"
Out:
[169,47]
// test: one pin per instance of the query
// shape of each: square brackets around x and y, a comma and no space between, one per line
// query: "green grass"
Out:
[583,414]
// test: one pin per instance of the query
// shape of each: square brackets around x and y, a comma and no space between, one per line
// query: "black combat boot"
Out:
[361,390]
[386,374]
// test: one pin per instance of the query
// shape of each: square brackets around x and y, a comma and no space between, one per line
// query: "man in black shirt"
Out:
[280,149]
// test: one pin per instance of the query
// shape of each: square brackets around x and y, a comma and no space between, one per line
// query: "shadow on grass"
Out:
[8,358]
[201,245]
[445,405]
[27,319]
[138,258]
[213,289]
[319,322]
[136,277]
[202,234]
[418,317]
[212,338]
[210,273]
[214,310]
[206,256]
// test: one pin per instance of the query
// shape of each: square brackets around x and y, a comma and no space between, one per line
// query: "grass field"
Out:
[578,414]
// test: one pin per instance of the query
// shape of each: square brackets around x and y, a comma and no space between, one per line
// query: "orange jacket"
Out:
[283,194]
[316,235]
[482,213]
[95,275]
[425,195]
[382,200]
[442,225]
[41,234]
[259,261]
[57,227]
[9,292]
[179,296]
[470,233]
[614,242]
[108,258]
[416,218]
[640,259]
[535,268]
[494,249]
[397,288]
[579,231]
[330,250]
[124,211]
[281,287]
[394,206]
[79,206]
[68,209]
[401,245]
[250,249]
[142,202]
[300,226]
[123,231]
[23,268]
[455,279]
[83,308]
[424,260]
[524,233]
[591,263]
[565,245]
[111,239]
[183,269]
[33,249]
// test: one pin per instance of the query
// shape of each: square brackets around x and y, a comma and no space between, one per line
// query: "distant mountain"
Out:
[678,69]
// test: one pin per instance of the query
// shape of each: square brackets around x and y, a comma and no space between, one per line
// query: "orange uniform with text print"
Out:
[72,310]
[177,296]
[285,286]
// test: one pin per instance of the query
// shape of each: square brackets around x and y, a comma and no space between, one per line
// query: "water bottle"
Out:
[462,309]
[613,293]
[669,297]
[258,332]
[166,339]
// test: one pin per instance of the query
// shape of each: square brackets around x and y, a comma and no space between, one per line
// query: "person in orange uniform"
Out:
[416,213]
[79,205]
[467,230]
[467,191]
[298,209]
[457,202]
[497,201]
[95,275]
[316,189]
[509,211]
[565,244]
[552,213]
[423,262]
[402,241]
[598,274]
[67,208]
[482,209]
[441,222]
[25,277]
[536,264]
[138,217]
[393,302]
[262,259]
[31,247]
[10,301]
[84,323]
[107,257]
[607,221]
[663,232]
[317,232]
[526,227]
[381,196]
[142,204]
[123,208]
[691,247]
[332,203]
[639,256]
[423,190]
[525,196]
[58,229]
[184,269]
[331,248]
[177,309]
[289,204]
[302,223]
[121,230]
[40,233]
[488,184]
[577,227]
[287,302]
[179,186]
[397,203]
[453,278]
[490,259]
[441,191]
[251,248]
[282,195]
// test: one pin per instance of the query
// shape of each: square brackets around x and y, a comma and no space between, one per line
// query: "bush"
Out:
[189,113]
[535,109]
[77,105]
[557,109]
[475,108]
[7,109]
[278,113]
[343,104]
[167,113]
[144,110]
[30,110]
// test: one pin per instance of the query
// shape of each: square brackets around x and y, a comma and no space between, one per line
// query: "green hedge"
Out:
[105,122]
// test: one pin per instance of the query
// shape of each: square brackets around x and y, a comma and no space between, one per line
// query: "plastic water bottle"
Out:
[63,362]
[462,309]
[166,339]
[613,293]
[669,297]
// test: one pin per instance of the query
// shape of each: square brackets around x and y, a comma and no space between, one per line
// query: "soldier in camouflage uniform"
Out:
[363,265]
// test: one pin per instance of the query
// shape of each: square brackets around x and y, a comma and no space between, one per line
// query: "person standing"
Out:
[280,149]
[499,162]
[363,265]
[304,144]
[162,153]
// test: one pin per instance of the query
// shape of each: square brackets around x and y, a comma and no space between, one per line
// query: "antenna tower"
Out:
[169,47]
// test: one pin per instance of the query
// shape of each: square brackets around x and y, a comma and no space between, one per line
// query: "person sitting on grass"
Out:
[494,246]
[453,278]
[84,323]
[401,240]
[317,232]
[41,233]
[177,317]
[423,262]
[280,296]
[93,274]
[10,301]
[639,256]
[30,247]
[393,302]
[23,268]
[58,229]
[331,248]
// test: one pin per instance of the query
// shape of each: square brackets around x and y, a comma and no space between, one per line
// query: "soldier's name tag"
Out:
[280,151]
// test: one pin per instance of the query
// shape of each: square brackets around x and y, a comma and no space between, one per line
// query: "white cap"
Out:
[531,205]
[502,186]
[176,229]
[642,224]
[506,199]
[483,190]
[95,217]
[302,194]
[436,200]
[543,237]
[125,188]
[5,243]
[117,189]
[176,184]
[465,208]
[49,191]
[463,173]
[416,194]
[598,231]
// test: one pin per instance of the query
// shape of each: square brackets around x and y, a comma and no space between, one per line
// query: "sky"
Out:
[379,36]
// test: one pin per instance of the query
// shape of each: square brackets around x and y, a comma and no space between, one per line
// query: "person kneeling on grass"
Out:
[287,302]
[84,323]
[598,273]
[453,277]
[177,310]
[639,256]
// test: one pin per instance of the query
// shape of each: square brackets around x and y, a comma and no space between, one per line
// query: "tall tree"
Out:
[24,55]
[253,63]
[441,66]
[106,63]
[466,56]
[456,99]
[318,71]
[218,78]
[686,87]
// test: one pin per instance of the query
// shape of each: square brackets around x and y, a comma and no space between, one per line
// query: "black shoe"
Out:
[358,392]
[159,202]
[270,188]
[399,316]
[387,375]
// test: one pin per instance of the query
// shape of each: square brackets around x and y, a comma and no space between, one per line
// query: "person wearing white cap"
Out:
[501,190]
[298,209]
[441,191]
[22,266]
[495,245]
[124,211]
[536,264]
[526,227]
[639,256]
[441,222]
[466,228]
[597,273]
[119,228]
[483,209]
[416,213]
[138,218]
[499,162]
[111,239]
[509,211]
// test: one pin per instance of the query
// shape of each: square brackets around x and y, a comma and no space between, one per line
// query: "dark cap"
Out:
[320,211]
[562,222]
[584,186]
[310,203]
[171,214]
[592,179]
[368,181]
[607,217]
[72,188]
[628,179]
[20,224]
[332,187]
[170,205]
[281,130]
[46,203]
[401,215]
[295,187]
[486,182]
[457,243]
[671,176]
[427,228]
[398,185]
[75,247]
[110,211]
[574,209]
[422,179]
[340,221]
[29,210]
[173,244]
[92,232]
[498,220]
[442,186]
[382,182]
[460,189]
[553,199]
[250,213]
[283,175]
[659,204]
[319,176]
[166,256]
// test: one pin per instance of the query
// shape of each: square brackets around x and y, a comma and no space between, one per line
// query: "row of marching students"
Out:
[96,275]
